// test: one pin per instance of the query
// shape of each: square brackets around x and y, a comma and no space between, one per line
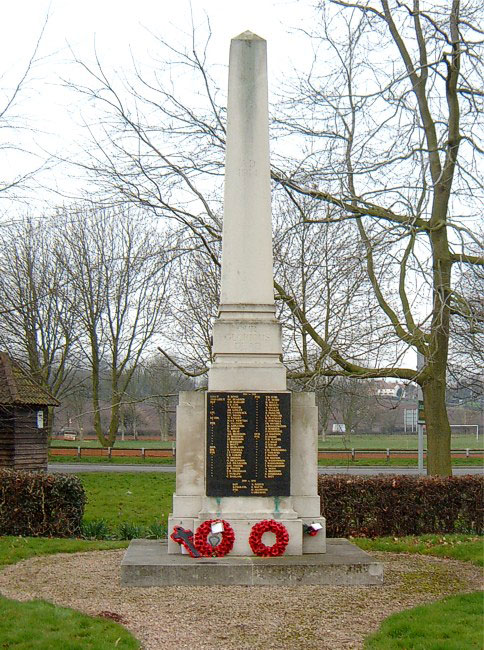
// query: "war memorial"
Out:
[246,510]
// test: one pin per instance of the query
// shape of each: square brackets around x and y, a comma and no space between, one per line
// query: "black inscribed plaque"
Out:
[248,444]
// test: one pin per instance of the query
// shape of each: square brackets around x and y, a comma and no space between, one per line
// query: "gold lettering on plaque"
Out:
[212,421]
[235,437]
[274,463]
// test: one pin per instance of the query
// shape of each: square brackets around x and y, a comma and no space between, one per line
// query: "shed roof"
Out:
[18,387]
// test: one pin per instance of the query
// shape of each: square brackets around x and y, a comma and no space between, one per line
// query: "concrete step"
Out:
[147,564]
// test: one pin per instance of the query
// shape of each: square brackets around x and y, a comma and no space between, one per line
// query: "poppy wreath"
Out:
[268,526]
[226,543]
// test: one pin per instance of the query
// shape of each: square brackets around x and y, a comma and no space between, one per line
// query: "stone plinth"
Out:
[247,350]
[192,506]
[147,564]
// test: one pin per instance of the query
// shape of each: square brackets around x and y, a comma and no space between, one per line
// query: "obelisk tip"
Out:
[248,36]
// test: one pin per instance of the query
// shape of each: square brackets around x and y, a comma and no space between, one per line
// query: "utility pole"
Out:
[420,417]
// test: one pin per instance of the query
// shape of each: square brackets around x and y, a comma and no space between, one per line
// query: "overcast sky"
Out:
[120,29]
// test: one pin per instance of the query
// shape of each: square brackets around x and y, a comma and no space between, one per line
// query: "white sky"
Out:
[120,29]
[120,26]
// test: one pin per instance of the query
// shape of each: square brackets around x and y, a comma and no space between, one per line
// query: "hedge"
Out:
[36,504]
[380,506]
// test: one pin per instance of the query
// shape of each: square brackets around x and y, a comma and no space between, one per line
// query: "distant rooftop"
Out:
[18,387]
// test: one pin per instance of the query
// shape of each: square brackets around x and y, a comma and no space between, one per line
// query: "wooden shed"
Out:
[24,416]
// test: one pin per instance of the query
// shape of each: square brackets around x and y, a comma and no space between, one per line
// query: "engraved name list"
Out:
[248,444]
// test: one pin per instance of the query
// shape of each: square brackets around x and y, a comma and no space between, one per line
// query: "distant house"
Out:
[390,389]
[23,418]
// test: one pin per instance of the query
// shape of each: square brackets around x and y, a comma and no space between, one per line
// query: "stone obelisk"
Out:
[247,449]
[247,345]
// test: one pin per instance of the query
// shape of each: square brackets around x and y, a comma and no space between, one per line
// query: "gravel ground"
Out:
[236,618]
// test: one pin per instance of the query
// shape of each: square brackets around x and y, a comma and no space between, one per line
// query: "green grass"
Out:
[450,624]
[393,462]
[15,549]
[363,462]
[115,460]
[467,548]
[43,626]
[119,444]
[128,497]
[397,441]
[118,498]
[453,623]
[356,441]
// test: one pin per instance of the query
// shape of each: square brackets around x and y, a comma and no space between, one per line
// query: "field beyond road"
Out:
[355,441]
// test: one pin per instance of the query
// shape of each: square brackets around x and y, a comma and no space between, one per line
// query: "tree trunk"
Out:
[95,401]
[438,428]
[115,419]
[50,423]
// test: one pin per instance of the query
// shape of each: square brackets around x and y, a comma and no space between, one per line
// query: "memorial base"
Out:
[148,564]
[192,505]
[299,542]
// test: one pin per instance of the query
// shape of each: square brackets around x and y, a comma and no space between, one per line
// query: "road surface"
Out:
[74,468]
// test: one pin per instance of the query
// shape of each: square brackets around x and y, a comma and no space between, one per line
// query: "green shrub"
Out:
[127,530]
[378,506]
[40,505]
[156,531]
[95,529]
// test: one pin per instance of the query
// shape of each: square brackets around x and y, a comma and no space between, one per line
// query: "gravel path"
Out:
[237,618]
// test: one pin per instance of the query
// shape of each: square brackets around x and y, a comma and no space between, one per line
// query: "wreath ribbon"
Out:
[226,543]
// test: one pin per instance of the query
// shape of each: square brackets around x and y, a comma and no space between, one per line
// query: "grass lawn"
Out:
[40,625]
[397,441]
[363,462]
[145,498]
[137,498]
[115,460]
[453,623]
[119,444]
[467,548]
[356,441]
[393,462]
[43,626]
[15,549]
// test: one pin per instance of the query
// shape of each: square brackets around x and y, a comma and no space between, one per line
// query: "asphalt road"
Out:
[74,468]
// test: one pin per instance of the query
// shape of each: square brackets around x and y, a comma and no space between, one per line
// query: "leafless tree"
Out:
[386,129]
[193,307]
[118,265]
[160,383]
[37,325]
[393,121]
[20,163]
[352,400]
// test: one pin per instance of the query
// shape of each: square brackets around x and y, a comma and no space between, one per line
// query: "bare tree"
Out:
[161,383]
[394,133]
[36,322]
[193,307]
[20,163]
[119,267]
[352,401]
[385,126]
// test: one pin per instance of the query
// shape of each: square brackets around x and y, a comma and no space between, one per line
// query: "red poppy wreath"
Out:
[225,545]
[268,526]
